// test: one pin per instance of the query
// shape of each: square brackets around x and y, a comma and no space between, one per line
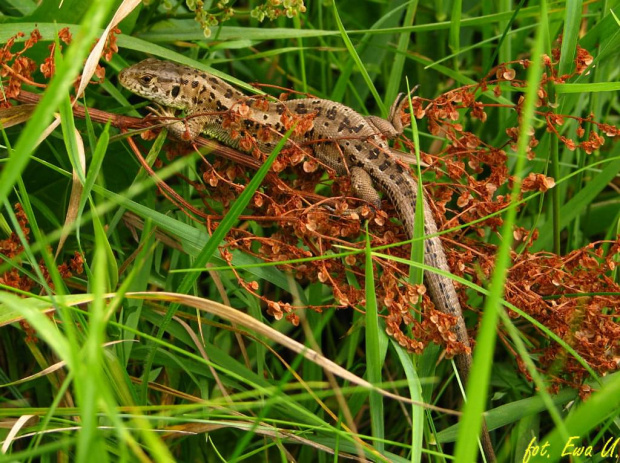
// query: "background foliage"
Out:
[103,355]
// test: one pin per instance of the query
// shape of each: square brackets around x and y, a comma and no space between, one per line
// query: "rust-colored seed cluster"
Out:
[12,248]
[567,295]
[19,68]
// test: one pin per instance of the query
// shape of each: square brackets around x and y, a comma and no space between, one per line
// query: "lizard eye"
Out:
[146,79]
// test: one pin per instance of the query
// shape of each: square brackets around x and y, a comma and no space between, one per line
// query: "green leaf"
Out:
[588,88]
[570,35]
[111,273]
[373,351]
[478,381]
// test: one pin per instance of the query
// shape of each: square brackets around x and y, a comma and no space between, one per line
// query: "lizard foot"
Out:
[160,111]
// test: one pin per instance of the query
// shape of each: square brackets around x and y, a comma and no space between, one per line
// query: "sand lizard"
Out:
[339,137]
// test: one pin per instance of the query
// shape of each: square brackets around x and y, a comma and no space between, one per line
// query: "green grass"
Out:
[147,356]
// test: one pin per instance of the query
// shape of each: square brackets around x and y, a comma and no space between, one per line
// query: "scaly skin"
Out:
[339,137]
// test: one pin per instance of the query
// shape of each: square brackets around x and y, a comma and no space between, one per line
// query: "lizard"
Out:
[340,138]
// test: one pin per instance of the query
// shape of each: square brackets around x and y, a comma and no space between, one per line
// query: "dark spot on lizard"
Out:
[374,154]
[228,93]
[325,124]
[203,75]
[175,91]
[280,109]
[213,80]
[399,168]
[331,113]
[184,81]
[212,95]
[358,147]
[383,167]
[358,128]
[195,84]
[265,117]
[203,89]
[345,124]
[301,109]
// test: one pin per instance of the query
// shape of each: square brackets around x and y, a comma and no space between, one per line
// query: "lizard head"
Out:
[157,80]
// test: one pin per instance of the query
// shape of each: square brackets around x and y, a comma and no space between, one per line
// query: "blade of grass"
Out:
[373,351]
[587,87]
[366,47]
[93,173]
[415,391]
[477,387]
[416,275]
[553,157]
[89,382]
[570,35]
[358,61]
[455,29]
[397,67]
